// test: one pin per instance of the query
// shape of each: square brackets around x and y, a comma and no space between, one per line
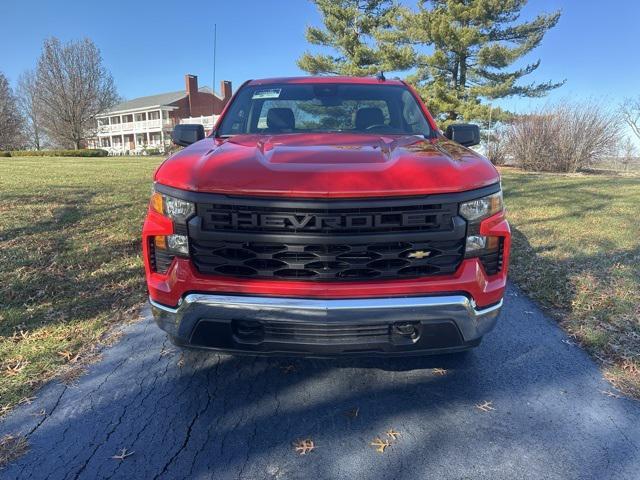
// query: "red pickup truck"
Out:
[326,216]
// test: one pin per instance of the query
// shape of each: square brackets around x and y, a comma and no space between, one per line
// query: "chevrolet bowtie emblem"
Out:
[419,254]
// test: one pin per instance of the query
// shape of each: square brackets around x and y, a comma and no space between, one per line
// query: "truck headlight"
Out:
[166,247]
[176,209]
[481,208]
[487,248]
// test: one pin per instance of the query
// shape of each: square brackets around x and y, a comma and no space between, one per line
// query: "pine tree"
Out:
[473,44]
[353,29]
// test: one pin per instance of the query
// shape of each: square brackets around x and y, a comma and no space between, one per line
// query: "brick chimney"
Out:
[191,82]
[225,91]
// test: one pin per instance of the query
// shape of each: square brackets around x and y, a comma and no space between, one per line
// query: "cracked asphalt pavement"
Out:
[202,415]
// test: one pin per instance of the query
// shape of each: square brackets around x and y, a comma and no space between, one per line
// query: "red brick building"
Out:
[146,123]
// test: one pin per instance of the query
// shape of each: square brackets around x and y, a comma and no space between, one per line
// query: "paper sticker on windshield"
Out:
[267,93]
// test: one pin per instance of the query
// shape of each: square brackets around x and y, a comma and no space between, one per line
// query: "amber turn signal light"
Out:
[160,242]
[157,203]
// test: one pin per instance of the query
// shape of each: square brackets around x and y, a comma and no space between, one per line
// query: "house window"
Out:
[155,138]
[155,115]
[105,142]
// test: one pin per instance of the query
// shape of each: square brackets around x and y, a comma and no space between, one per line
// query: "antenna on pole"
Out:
[213,87]
[489,132]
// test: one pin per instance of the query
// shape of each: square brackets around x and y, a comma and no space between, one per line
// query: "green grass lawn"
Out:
[70,261]
[577,251]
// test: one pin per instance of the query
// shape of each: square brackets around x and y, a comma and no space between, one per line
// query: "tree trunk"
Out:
[463,71]
[455,74]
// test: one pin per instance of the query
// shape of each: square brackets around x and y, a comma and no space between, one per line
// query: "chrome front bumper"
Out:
[343,318]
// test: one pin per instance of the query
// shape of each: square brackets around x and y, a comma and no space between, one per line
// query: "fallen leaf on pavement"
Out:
[380,444]
[123,454]
[393,434]
[304,446]
[610,394]
[353,413]
[486,406]
[439,371]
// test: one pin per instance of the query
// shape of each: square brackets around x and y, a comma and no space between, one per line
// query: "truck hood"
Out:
[326,166]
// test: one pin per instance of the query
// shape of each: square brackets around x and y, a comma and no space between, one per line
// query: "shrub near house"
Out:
[56,153]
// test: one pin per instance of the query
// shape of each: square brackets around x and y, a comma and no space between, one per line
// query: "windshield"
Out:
[306,108]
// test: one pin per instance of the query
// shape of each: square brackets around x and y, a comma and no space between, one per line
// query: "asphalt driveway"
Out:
[545,413]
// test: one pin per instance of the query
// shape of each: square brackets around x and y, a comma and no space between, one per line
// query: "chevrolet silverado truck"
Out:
[326,216]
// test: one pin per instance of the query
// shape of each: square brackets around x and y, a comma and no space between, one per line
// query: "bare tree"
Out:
[628,154]
[495,142]
[630,110]
[73,87]
[30,106]
[564,138]
[11,122]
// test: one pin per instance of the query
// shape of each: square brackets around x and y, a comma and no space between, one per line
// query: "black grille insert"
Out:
[348,262]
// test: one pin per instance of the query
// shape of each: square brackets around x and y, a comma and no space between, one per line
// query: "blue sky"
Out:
[150,44]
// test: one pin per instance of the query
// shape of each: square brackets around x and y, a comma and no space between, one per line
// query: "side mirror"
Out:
[464,133]
[186,134]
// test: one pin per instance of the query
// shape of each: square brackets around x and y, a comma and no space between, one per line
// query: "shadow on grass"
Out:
[590,291]
[49,278]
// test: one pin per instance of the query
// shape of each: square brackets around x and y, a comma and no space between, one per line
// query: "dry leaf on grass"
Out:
[304,446]
[12,447]
[66,354]
[14,367]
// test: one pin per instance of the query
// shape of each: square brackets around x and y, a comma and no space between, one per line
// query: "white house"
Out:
[139,125]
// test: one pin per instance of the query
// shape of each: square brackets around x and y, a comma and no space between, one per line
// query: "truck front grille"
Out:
[341,240]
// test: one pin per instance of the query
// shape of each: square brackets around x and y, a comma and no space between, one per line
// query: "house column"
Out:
[121,138]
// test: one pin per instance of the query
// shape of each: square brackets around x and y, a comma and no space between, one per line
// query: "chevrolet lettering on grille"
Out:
[312,222]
